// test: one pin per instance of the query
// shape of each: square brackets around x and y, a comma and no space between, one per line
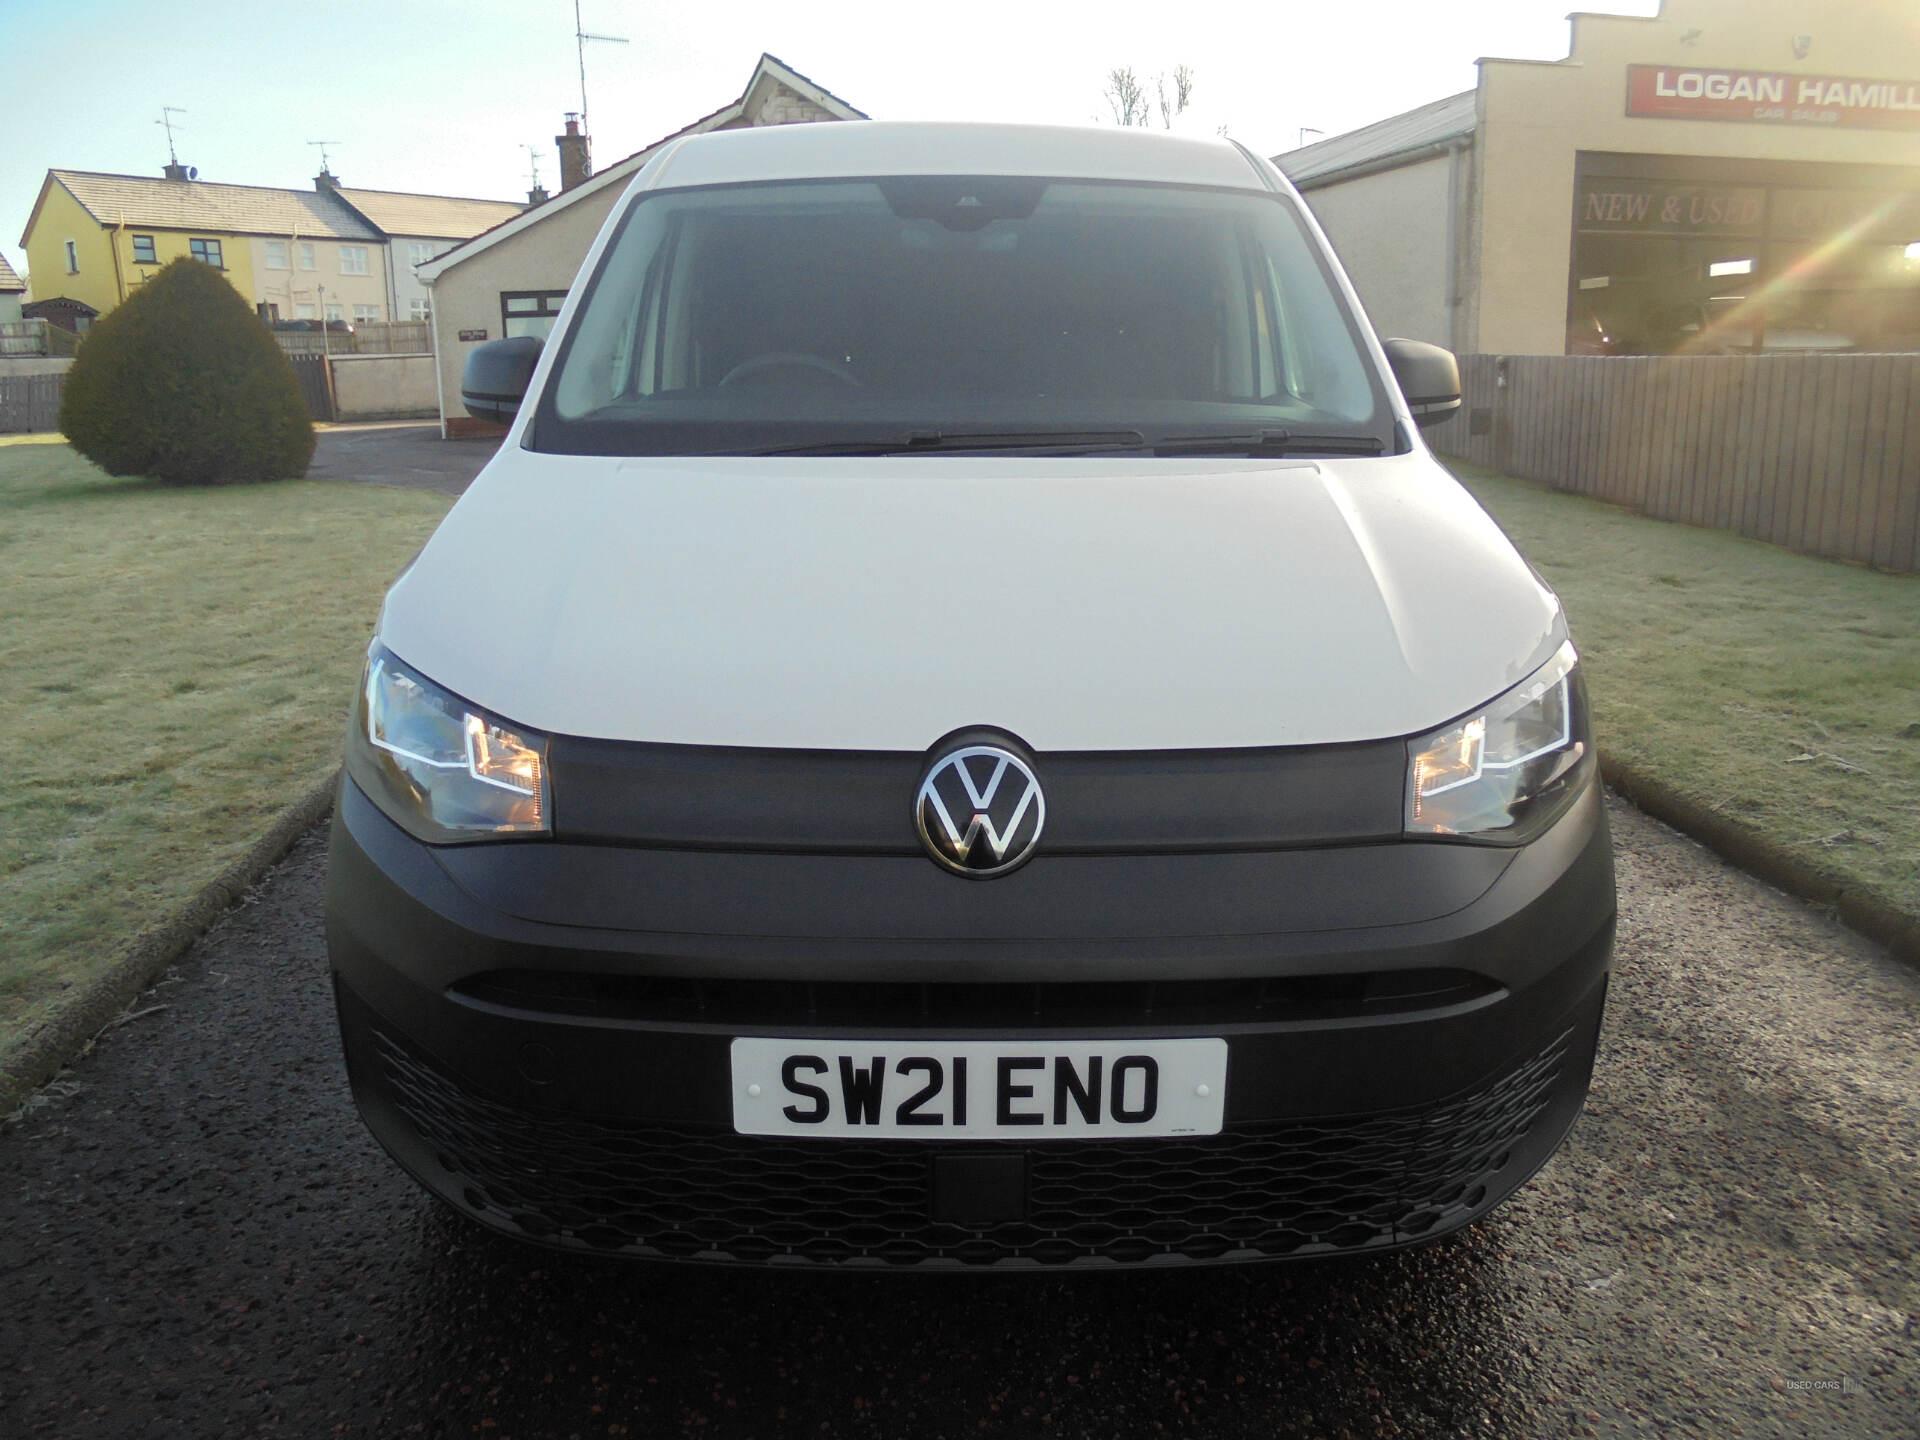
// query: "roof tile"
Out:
[200,205]
[443,217]
[1443,120]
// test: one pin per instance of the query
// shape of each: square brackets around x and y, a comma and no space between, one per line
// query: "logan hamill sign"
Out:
[1673,92]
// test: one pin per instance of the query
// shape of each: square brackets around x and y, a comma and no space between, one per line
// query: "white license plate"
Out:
[979,1089]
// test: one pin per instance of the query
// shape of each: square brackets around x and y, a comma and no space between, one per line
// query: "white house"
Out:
[12,291]
[511,279]
[419,228]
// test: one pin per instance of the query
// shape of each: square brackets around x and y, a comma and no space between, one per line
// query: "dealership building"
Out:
[1727,176]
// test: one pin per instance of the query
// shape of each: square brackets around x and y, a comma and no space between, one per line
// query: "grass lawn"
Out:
[175,668]
[1779,690]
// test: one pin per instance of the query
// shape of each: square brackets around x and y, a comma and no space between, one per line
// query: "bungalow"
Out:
[511,279]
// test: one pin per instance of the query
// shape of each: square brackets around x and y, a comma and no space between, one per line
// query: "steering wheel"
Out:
[789,360]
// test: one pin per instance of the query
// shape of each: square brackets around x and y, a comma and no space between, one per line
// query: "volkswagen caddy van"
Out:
[964,728]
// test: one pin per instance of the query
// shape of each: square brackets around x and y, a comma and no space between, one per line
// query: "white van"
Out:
[965,728]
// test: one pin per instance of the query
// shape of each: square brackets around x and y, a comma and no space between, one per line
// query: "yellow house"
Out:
[291,253]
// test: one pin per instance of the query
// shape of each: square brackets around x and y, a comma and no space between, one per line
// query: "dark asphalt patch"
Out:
[409,455]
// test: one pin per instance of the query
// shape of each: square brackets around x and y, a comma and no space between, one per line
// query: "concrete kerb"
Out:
[79,1018]
[1872,914]
[30,1063]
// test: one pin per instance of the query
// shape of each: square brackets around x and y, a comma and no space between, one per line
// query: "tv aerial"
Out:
[581,36]
[167,112]
[325,168]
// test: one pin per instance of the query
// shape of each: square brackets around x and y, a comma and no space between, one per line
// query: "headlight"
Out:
[441,768]
[1503,774]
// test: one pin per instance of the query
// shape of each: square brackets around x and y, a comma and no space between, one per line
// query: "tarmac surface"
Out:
[406,453]
[198,1238]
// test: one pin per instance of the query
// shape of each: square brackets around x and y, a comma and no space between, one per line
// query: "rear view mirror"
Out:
[1429,377]
[495,380]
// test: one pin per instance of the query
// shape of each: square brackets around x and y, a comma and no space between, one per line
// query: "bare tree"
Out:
[1182,94]
[1127,97]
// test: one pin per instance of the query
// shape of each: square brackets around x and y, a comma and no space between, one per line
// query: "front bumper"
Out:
[569,1083]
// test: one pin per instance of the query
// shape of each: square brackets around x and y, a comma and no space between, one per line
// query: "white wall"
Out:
[379,387]
[544,256]
[35,364]
[1390,230]
[408,287]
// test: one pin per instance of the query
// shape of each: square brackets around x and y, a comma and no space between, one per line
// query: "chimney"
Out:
[537,195]
[325,182]
[176,171]
[575,162]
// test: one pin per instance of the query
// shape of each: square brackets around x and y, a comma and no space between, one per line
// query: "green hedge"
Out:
[184,383]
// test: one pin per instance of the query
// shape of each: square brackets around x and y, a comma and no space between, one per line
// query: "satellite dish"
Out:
[193,172]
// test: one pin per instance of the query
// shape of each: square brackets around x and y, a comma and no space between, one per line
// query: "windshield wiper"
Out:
[929,442]
[1268,442]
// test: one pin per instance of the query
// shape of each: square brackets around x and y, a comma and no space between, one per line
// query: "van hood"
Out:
[881,603]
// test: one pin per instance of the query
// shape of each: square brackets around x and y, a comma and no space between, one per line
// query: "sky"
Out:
[444,96]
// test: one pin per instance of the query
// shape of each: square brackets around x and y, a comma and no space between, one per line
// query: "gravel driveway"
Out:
[198,1238]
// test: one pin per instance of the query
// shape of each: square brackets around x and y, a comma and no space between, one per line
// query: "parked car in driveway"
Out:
[313,327]
[965,728]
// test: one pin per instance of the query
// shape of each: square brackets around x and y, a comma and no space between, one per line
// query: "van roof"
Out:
[878,147]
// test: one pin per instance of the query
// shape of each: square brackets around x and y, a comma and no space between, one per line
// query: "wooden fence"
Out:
[35,337]
[1819,453]
[371,337]
[311,370]
[30,403]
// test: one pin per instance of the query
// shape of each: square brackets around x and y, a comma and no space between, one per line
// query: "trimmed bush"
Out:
[183,382]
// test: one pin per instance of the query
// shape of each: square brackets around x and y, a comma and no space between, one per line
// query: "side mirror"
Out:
[495,380]
[1429,377]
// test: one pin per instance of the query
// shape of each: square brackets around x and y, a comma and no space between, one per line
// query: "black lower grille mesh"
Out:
[684,1192]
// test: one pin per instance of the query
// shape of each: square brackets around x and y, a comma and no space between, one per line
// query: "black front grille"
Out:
[751,1004]
[689,1193]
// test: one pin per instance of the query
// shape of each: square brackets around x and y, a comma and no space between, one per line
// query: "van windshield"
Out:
[864,316]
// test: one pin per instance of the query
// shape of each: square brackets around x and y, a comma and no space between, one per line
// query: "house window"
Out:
[365,314]
[335,313]
[302,311]
[419,309]
[353,259]
[419,252]
[529,312]
[207,251]
[143,250]
[276,255]
[73,258]
[306,257]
